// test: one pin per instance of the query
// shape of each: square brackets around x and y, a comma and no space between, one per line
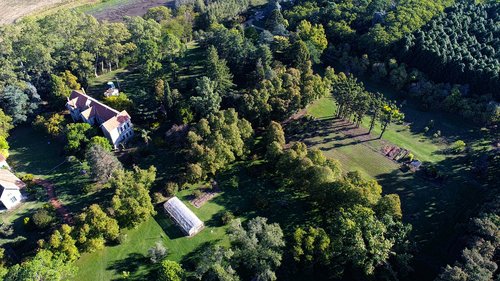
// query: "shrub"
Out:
[158,198]
[171,188]
[42,219]
[426,129]
[458,146]
[157,252]
[233,182]
[95,244]
[197,193]
[227,217]
[410,157]
[122,238]
[170,271]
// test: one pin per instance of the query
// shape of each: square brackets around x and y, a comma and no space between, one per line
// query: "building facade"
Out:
[116,126]
[10,189]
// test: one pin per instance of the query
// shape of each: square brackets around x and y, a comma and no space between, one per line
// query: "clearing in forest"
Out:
[434,208]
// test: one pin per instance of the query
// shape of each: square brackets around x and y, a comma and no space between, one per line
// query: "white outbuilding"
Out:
[189,223]
[10,189]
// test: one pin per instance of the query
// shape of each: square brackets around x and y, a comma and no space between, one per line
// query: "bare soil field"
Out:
[128,8]
[11,10]
[113,11]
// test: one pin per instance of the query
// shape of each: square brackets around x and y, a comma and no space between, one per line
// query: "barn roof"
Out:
[9,181]
[183,216]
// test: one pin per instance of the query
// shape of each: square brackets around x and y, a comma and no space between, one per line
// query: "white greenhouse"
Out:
[183,216]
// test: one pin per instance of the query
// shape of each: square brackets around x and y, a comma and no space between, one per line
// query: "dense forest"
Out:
[461,46]
[213,91]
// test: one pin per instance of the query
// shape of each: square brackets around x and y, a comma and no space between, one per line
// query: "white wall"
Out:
[6,198]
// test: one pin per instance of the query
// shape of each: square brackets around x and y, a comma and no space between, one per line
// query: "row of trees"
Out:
[354,102]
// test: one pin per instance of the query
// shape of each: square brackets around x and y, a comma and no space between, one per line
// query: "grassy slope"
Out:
[435,210]
[420,145]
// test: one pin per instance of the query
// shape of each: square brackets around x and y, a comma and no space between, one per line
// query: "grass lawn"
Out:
[434,209]
[241,189]
[132,255]
[424,148]
[34,152]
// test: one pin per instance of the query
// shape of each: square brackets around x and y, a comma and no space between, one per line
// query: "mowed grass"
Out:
[434,209]
[131,256]
[424,148]
[34,152]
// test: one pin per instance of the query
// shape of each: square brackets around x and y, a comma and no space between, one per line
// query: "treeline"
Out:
[460,46]
[411,82]
[368,25]
[353,229]
[33,49]
[479,260]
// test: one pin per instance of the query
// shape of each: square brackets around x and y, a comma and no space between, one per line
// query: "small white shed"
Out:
[189,223]
[10,189]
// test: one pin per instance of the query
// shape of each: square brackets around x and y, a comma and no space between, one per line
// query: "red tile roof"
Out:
[89,106]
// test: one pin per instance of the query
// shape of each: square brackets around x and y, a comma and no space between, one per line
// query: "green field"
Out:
[434,209]
[132,255]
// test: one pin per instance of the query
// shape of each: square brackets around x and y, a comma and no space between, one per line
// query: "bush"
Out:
[42,219]
[157,252]
[233,182]
[171,188]
[458,146]
[227,217]
[197,193]
[122,238]
[158,198]
[95,244]
[410,157]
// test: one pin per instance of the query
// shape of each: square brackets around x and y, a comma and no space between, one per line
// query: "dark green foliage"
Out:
[478,261]
[258,247]
[42,219]
[19,102]
[44,266]
[461,46]
[216,142]
[131,202]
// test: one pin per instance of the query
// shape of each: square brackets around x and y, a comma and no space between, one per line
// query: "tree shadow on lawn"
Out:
[437,210]
[192,259]
[69,183]
[257,196]
[168,225]
[132,263]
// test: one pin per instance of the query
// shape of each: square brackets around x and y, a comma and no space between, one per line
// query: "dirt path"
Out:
[54,201]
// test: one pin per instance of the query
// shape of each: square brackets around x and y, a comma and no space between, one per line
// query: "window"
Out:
[13,199]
